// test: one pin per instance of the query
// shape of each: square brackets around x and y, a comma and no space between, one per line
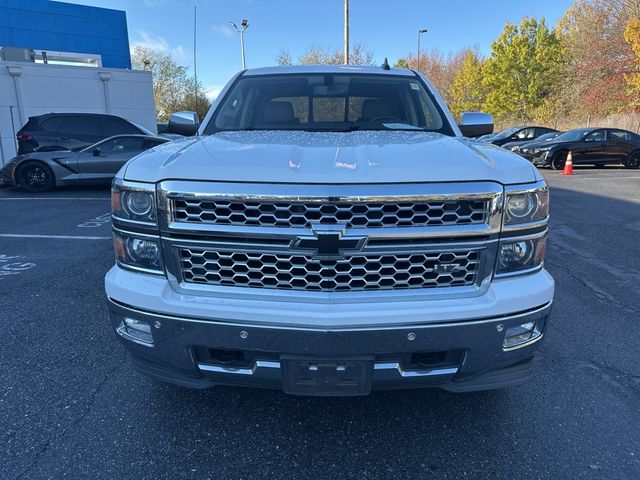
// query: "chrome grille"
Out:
[351,273]
[350,214]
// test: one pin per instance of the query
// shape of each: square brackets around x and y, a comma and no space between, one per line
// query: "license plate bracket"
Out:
[351,376]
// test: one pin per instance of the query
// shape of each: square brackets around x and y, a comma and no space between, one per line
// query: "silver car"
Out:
[97,163]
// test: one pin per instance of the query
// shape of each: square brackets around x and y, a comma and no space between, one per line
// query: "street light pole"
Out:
[346,32]
[420,32]
[243,27]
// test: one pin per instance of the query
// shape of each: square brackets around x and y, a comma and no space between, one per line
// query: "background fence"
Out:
[627,121]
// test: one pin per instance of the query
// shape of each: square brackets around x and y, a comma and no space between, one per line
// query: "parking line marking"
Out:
[55,198]
[58,237]
[594,177]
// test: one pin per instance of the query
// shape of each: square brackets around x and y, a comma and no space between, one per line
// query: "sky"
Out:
[387,28]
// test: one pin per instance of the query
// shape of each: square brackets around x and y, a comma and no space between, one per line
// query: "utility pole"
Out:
[243,27]
[195,68]
[346,32]
[420,32]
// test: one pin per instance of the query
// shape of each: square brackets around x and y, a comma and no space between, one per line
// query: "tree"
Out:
[467,92]
[632,36]
[359,55]
[597,58]
[524,66]
[284,58]
[441,70]
[401,63]
[173,89]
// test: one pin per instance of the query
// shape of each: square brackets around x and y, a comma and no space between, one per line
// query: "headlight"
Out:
[133,201]
[526,206]
[138,251]
[520,254]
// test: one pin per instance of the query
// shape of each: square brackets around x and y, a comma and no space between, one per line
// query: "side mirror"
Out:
[476,124]
[97,152]
[183,123]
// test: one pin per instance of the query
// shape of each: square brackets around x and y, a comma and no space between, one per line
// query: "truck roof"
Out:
[352,69]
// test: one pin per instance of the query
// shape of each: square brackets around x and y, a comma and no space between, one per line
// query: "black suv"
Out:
[61,131]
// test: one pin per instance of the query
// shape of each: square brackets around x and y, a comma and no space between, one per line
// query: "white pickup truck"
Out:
[330,231]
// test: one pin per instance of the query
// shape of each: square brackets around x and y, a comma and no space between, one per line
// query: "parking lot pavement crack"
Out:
[600,294]
[612,373]
[90,404]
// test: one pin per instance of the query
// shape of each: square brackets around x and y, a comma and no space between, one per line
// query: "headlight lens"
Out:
[521,254]
[138,252]
[526,206]
[139,204]
[134,201]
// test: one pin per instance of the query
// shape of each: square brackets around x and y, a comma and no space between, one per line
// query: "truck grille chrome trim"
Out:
[322,238]
[312,273]
[350,214]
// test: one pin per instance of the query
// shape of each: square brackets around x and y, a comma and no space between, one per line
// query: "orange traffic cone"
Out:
[568,165]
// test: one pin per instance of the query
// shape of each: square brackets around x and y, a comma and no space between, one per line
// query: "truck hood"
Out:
[329,158]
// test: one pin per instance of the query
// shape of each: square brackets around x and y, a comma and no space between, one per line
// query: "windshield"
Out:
[506,133]
[547,136]
[574,135]
[329,102]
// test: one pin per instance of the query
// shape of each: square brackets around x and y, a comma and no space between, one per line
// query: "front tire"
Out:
[558,160]
[35,177]
[633,161]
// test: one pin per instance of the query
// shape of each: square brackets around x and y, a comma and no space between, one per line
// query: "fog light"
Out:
[520,334]
[136,330]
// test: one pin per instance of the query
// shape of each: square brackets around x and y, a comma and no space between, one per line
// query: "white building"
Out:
[28,89]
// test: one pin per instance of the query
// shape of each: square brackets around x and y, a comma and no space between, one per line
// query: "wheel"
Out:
[558,160]
[633,161]
[599,165]
[35,176]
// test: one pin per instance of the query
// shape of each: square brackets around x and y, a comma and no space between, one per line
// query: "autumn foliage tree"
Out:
[439,68]
[524,66]
[467,92]
[597,58]
[632,36]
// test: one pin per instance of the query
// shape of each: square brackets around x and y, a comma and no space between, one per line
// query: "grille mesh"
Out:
[352,273]
[351,214]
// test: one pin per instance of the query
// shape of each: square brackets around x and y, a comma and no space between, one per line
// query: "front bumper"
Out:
[541,160]
[6,176]
[463,351]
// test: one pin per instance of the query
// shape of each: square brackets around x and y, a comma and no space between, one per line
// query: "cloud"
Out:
[160,44]
[212,91]
[223,30]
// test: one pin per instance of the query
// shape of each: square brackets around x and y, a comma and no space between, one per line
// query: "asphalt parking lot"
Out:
[71,407]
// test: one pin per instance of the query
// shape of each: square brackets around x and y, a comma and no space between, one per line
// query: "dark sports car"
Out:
[516,146]
[517,134]
[588,146]
[42,171]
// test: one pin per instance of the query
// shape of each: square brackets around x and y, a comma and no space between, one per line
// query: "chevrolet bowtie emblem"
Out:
[329,241]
